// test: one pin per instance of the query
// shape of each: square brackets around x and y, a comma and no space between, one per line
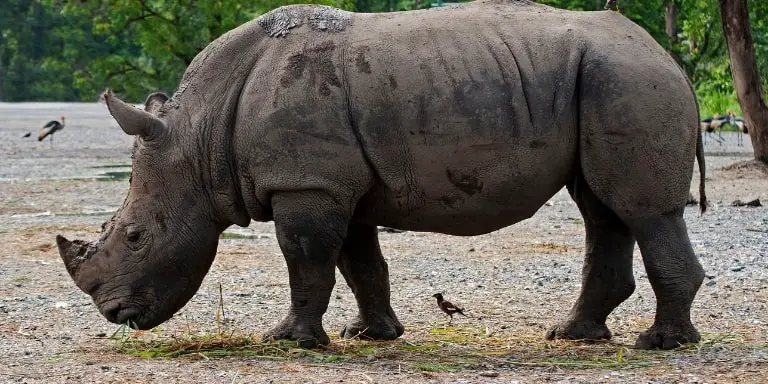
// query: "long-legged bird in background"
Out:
[49,129]
[448,307]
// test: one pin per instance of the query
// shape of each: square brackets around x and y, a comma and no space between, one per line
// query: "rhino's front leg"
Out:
[366,273]
[310,228]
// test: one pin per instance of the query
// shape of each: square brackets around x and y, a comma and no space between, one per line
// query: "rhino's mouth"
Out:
[118,312]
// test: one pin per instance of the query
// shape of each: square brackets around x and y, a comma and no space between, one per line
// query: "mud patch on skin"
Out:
[318,62]
[277,22]
[467,183]
[392,82]
[325,18]
[294,70]
[362,63]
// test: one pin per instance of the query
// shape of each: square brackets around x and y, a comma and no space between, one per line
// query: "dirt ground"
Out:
[514,282]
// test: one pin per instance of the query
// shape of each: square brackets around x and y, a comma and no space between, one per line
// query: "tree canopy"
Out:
[70,50]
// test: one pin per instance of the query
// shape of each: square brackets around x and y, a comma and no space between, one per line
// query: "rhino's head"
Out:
[154,252]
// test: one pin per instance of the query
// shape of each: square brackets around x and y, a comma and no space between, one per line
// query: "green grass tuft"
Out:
[235,236]
[436,349]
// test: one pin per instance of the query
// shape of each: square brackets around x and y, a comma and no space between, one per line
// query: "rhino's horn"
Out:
[76,255]
[73,253]
[132,120]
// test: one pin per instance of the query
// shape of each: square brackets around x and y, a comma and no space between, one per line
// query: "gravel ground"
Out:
[516,281]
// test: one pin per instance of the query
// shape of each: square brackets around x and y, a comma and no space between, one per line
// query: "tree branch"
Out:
[153,13]
[128,68]
[129,22]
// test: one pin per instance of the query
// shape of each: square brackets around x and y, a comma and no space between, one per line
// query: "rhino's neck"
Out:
[207,102]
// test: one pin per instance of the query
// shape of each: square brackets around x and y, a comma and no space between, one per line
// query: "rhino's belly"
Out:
[469,190]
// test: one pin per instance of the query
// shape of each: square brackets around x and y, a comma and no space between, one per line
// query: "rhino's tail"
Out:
[702,172]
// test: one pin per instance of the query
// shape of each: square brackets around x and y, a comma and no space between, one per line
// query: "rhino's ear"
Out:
[154,102]
[133,120]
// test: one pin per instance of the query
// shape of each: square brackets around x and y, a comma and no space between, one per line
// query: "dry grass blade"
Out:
[442,349]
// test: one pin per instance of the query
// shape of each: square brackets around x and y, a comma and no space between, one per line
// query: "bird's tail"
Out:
[461,311]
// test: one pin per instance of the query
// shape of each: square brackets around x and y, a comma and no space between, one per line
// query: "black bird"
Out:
[49,129]
[448,307]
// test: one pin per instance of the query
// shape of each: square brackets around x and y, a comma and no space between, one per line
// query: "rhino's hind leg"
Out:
[675,275]
[607,278]
[366,273]
[310,228]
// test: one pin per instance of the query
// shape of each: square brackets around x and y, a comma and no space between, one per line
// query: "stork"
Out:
[49,129]
[742,126]
[710,124]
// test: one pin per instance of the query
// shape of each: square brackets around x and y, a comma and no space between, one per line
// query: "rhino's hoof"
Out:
[383,328]
[668,336]
[579,330]
[306,335]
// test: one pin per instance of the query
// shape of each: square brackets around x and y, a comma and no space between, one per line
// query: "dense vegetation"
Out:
[68,50]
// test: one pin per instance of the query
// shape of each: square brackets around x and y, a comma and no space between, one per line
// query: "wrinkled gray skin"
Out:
[457,120]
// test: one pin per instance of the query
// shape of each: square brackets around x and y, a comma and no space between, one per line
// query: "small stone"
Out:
[61,304]
[489,374]
[711,283]
[737,268]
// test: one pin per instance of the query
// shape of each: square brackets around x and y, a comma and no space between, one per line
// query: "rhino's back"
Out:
[465,116]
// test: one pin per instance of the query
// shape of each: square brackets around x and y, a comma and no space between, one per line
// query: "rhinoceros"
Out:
[459,120]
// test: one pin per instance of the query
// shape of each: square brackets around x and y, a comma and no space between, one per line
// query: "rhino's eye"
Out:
[132,234]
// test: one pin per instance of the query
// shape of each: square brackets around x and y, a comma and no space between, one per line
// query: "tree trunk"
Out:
[670,21]
[670,24]
[746,79]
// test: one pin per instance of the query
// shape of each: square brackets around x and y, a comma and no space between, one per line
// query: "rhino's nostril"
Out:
[112,312]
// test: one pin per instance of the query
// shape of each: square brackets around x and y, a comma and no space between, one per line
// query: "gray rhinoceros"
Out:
[461,120]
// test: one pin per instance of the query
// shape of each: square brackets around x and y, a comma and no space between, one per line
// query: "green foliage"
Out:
[72,49]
